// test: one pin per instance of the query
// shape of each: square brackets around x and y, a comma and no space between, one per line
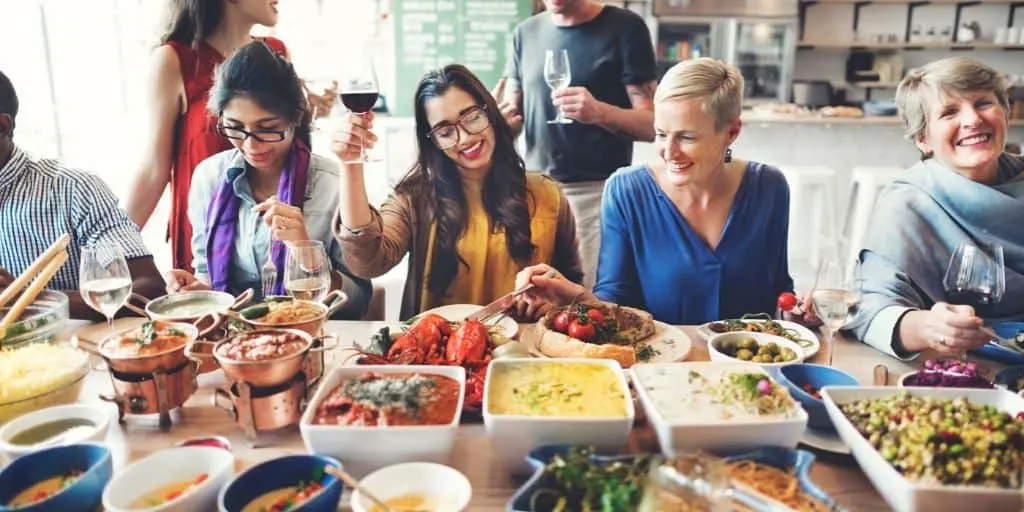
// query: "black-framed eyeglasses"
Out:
[236,133]
[446,135]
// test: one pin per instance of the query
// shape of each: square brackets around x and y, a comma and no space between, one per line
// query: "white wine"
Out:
[558,82]
[835,307]
[310,288]
[107,295]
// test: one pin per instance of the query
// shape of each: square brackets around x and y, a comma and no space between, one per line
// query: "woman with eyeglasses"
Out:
[468,213]
[268,189]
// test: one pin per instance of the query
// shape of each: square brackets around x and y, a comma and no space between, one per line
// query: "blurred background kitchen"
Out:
[820,78]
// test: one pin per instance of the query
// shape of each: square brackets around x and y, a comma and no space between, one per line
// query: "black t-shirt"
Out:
[605,54]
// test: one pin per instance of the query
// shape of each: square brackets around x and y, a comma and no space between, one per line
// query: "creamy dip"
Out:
[696,394]
[190,308]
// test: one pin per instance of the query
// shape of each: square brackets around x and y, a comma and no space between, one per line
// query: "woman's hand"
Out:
[181,281]
[285,221]
[547,292]
[952,329]
[354,132]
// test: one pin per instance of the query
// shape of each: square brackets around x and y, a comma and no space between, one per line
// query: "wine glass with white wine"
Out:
[307,271]
[104,279]
[558,76]
[836,298]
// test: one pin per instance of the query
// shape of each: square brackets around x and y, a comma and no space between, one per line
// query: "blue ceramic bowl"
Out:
[795,376]
[998,352]
[1011,378]
[797,461]
[283,472]
[93,460]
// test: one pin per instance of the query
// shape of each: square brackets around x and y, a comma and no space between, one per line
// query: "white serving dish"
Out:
[704,431]
[165,468]
[514,436]
[900,493]
[423,478]
[458,313]
[762,339]
[98,414]
[365,449]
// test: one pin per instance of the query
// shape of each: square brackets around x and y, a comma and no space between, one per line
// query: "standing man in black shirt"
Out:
[609,99]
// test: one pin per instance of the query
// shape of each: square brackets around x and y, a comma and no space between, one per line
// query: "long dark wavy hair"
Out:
[436,177]
[192,21]
[257,72]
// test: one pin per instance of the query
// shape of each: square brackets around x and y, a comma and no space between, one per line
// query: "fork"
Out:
[268,273]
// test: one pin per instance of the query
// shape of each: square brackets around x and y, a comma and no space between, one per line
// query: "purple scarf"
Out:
[222,219]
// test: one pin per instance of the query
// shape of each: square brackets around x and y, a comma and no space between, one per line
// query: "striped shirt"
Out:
[40,200]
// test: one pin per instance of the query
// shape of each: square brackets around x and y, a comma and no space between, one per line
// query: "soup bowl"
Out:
[83,423]
[257,482]
[199,471]
[206,309]
[168,359]
[258,372]
[93,460]
[445,488]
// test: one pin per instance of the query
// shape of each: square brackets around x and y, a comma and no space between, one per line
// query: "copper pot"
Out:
[149,363]
[270,372]
[332,302]
[210,312]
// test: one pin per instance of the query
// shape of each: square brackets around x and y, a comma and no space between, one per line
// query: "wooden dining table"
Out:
[139,436]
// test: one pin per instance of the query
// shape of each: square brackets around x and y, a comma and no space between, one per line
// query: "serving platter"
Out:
[825,440]
[458,312]
[668,343]
[812,347]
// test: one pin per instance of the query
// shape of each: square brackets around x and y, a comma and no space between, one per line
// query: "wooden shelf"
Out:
[826,45]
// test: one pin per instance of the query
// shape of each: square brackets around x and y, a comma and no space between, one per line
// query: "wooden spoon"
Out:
[351,482]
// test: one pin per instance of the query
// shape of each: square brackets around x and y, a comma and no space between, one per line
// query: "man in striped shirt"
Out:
[40,200]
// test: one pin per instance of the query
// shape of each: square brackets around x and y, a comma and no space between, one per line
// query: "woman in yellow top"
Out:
[468,213]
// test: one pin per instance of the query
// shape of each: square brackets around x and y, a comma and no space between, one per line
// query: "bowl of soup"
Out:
[181,479]
[419,486]
[530,403]
[296,479]
[154,344]
[54,426]
[58,478]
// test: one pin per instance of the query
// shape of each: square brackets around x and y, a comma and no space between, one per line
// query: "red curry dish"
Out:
[150,338]
[388,400]
[262,346]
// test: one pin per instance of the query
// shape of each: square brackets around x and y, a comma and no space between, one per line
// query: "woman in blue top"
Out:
[269,189]
[697,236]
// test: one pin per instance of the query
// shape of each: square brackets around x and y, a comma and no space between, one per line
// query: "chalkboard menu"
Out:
[432,33]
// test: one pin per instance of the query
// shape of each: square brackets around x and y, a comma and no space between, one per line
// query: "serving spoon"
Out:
[351,482]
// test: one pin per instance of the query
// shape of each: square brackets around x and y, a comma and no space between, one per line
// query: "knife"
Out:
[504,302]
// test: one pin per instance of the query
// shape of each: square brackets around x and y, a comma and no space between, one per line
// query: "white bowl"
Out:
[761,338]
[167,467]
[905,495]
[98,415]
[365,449]
[706,431]
[514,436]
[423,478]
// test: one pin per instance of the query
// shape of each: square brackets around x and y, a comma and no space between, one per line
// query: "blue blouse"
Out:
[652,259]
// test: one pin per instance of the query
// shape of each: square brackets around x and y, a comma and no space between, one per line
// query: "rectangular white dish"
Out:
[905,495]
[704,430]
[365,449]
[513,436]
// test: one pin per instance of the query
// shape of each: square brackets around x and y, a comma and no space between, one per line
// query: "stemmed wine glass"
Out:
[104,279]
[359,91]
[836,297]
[975,276]
[307,271]
[558,76]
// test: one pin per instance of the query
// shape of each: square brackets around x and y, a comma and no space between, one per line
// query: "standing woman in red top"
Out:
[180,131]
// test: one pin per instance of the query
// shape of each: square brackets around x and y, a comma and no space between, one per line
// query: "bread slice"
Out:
[625,328]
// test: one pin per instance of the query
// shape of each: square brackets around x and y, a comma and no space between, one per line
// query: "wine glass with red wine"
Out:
[359,91]
[976,275]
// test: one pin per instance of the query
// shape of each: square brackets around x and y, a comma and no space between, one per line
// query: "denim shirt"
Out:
[252,240]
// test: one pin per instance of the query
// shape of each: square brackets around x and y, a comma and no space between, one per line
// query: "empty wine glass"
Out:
[975,276]
[307,271]
[104,279]
[558,76]
[359,91]
[836,297]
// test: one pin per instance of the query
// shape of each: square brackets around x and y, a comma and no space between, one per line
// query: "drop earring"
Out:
[728,155]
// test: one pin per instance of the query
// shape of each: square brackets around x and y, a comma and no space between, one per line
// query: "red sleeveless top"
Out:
[195,138]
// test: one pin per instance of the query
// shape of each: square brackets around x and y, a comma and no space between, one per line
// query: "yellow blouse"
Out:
[491,271]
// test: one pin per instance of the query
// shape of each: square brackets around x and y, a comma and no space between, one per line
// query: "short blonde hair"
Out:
[955,75]
[718,85]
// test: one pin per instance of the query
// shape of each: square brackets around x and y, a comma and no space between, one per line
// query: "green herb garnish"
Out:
[576,481]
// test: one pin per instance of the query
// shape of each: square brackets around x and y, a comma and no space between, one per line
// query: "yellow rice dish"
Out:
[557,389]
[47,374]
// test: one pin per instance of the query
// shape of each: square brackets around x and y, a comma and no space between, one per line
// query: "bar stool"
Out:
[868,182]
[813,215]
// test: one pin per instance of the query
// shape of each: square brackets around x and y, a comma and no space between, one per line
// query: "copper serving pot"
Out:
[206,309]
[332,302]
[270,372]
[147,364]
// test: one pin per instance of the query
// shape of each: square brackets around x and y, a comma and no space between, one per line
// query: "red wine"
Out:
[969,297]
[359,102]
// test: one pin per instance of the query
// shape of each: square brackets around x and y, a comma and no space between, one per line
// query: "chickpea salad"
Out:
[950,442]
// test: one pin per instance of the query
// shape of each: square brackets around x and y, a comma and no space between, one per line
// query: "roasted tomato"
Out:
[581,330]
[561,322]
[787,301]
[596,315]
